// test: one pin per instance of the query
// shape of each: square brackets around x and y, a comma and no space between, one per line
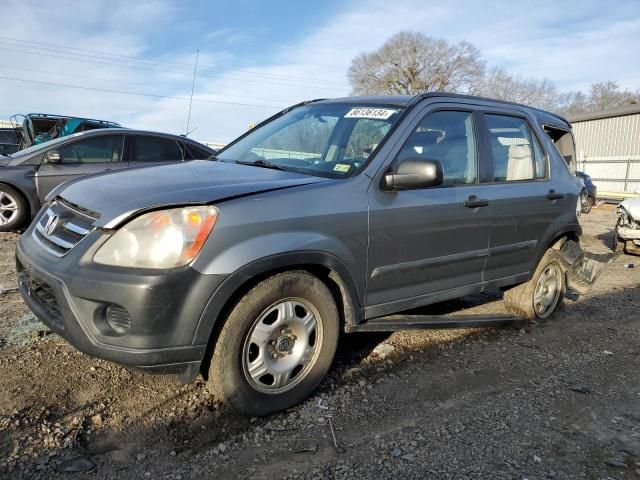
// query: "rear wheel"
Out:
[542,295]
[587,204]
[13,209]
[276,345]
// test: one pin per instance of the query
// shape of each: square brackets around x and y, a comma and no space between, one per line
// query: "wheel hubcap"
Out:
[8,208]
[548,290]
[282,346]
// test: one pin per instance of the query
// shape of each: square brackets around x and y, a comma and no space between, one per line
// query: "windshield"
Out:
[330,140]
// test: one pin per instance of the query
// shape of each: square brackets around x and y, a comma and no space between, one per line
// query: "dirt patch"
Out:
[555,400]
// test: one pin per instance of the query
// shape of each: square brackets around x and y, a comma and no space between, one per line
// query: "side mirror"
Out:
[52,156]
[414,173]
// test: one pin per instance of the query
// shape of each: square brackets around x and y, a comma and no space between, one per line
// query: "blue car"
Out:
[588,193]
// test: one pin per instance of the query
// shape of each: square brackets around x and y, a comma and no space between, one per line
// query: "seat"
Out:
[519,163]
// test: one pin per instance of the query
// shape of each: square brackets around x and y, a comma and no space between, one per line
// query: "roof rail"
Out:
[422,96]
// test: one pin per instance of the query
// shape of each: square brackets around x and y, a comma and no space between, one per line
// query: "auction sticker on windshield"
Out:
[376,113]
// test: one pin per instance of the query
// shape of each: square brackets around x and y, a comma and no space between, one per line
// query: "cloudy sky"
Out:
[256,57]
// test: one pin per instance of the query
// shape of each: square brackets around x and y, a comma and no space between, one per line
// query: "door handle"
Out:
[553,195]
[475,202]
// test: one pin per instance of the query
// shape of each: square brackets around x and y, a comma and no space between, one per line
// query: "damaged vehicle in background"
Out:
[331,217]
[628,226]
[37,128]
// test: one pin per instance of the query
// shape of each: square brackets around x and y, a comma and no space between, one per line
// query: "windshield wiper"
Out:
[263,164]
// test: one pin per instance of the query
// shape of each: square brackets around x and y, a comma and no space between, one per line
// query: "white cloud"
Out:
[541,39]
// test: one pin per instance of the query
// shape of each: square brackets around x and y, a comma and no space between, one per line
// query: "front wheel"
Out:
[276,345]
[542,295]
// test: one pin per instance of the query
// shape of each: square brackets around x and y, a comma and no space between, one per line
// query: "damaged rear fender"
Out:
[583,268]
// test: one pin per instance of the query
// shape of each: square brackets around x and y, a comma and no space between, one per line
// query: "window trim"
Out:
[77,141]
[489,162]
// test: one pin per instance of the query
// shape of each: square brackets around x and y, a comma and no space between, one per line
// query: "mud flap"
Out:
[584,268]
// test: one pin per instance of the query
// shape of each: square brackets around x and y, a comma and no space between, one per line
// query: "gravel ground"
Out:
[559,399]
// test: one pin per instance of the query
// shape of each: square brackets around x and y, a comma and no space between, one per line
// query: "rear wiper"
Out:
[263,164]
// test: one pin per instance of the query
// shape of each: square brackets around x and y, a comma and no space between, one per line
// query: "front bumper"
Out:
[71,295]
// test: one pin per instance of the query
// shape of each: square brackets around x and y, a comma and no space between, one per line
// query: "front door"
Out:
[80,157]
[430,244]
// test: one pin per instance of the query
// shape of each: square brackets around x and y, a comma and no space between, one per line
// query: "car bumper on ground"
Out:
[145,320]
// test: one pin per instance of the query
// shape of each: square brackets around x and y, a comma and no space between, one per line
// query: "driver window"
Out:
[446,136]
[102,149]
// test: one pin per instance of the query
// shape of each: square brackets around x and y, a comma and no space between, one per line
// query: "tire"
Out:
[269,354]
[587,204]
[13,209]
[619,245]
[521,299]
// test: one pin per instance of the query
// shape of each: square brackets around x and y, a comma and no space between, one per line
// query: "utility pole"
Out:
[193,85]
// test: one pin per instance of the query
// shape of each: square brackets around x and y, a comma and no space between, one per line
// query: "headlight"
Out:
[161,239]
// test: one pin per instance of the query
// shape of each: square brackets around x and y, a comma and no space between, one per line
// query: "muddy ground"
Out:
[559,399]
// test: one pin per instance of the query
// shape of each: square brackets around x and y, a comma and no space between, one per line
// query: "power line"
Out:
[49,72]
[228,76]
[89,61]
[146,84]
[156,62]
[122,92]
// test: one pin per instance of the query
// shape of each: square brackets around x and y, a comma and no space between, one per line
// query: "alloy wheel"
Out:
[8,208]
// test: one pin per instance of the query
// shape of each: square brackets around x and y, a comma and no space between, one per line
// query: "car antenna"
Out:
[193,84]
[190,132]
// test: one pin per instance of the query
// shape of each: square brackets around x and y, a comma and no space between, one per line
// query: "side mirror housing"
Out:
[414,173]
[52,156]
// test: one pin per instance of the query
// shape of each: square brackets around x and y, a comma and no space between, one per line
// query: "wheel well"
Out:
[347,309]
[558,242]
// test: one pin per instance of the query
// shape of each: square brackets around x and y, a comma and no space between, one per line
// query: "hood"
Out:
[632,206]
[117,195]
[4,161]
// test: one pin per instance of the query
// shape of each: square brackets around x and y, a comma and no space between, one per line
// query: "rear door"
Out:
[523,200]
[150,149]
[80,157]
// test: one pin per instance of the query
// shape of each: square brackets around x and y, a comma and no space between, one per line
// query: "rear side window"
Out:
[446,136]
[563,141]
[515,151]
[102,149]
[195,153]
[156,150]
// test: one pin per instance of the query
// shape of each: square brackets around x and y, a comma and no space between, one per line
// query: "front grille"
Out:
[43,294]
[62,226]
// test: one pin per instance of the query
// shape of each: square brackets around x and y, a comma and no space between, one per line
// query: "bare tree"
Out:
[529,91]
[601,96]
[411,63]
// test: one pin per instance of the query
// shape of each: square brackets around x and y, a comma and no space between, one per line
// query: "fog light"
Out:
[118,318]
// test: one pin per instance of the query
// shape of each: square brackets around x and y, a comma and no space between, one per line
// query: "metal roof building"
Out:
[608,149]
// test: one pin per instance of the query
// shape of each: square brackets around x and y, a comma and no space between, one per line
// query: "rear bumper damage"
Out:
[583,268]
